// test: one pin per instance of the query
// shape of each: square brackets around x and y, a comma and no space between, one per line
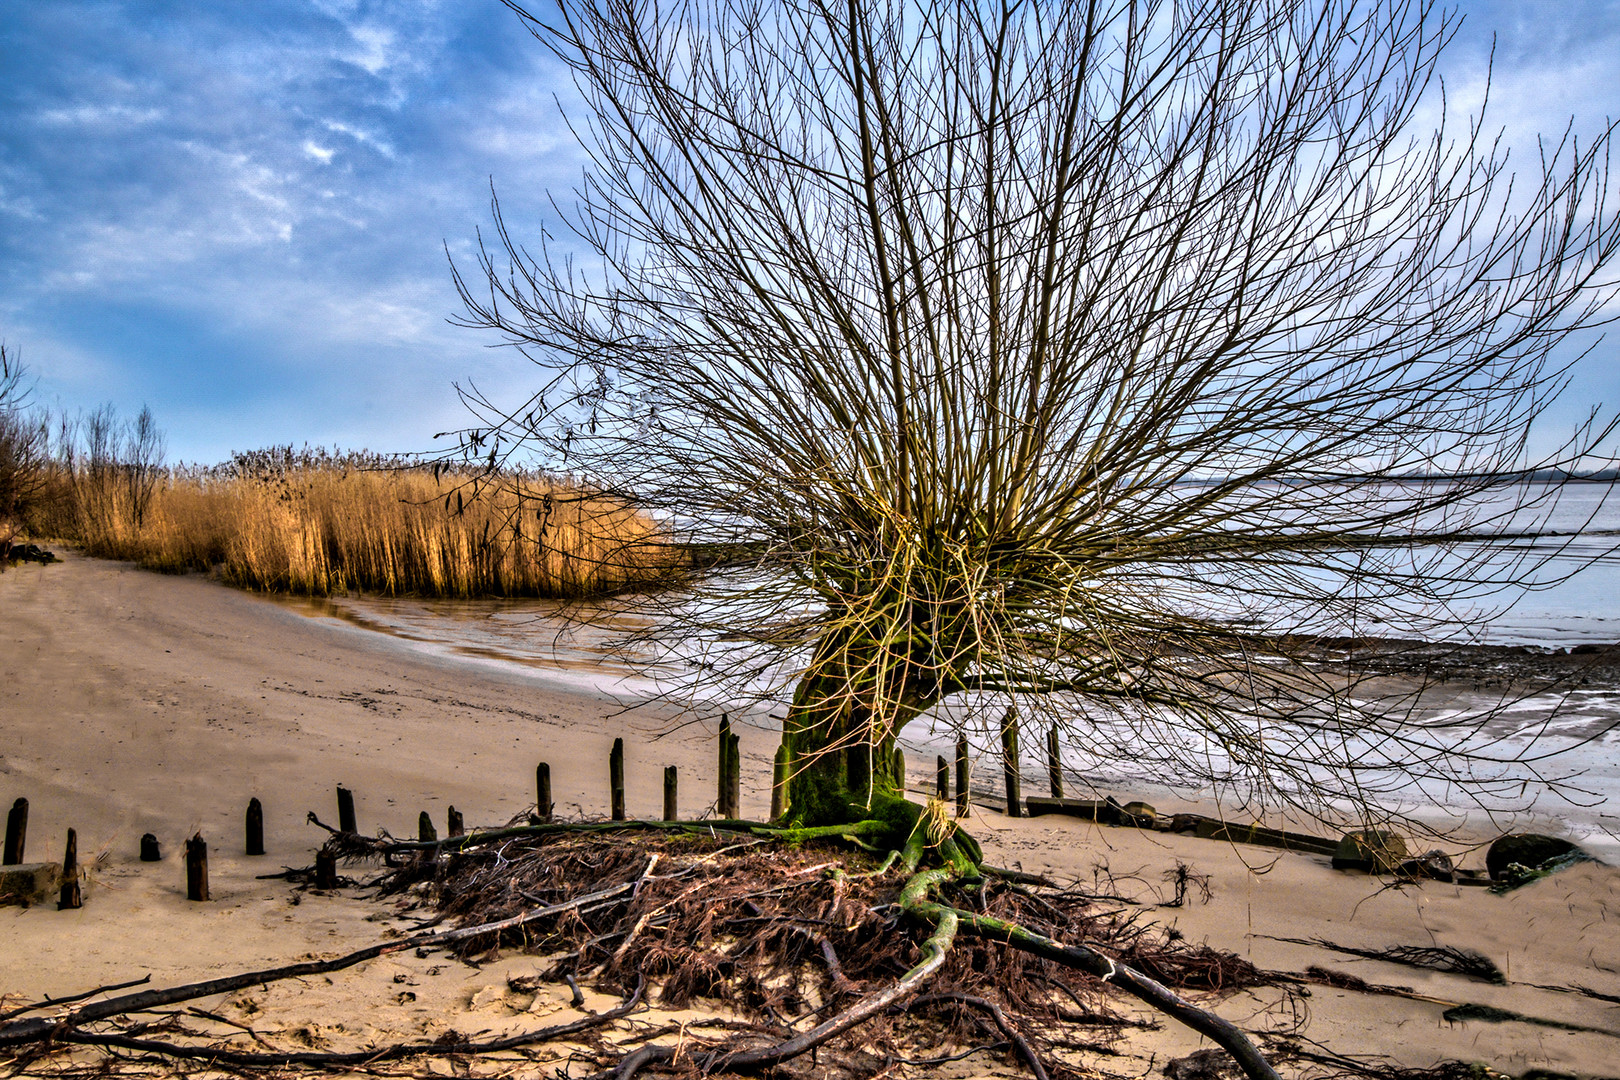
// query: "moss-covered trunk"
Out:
[840,730]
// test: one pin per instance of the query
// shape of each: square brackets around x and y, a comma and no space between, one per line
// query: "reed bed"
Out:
[322,526]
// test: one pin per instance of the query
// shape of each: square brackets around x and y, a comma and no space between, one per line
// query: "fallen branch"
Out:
[358,1057]
[24,1031]
[48,1002]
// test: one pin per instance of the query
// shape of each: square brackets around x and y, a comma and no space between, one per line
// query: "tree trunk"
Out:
[840,732]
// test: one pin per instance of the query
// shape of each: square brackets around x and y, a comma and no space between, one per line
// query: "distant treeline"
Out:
[319,522]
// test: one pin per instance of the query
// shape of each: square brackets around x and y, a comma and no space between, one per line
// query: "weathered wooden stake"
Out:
[1054,765]
[71,897]
[671,794]
[454,826]
[255,828]
[942,778]
[616,779]
[346,822]
[734,777]
[963,781]
[781,769]
[897,760]
[425,832]
[723,792]
[542,791]
[1009,760]
[197,868]
[16,833]
[150,852]
[326,869]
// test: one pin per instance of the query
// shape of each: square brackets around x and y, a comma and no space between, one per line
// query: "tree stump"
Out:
[616,779]
[325,869]
[1009,761]
[542,791]
[71,896]
[1054,764]
[963,776]
[16,834]
[255,828]
[346,820]
[196,868]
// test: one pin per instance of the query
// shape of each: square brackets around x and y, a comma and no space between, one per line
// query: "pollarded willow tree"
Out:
[1103,354]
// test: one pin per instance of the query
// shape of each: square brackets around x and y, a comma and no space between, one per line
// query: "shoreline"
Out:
[135,702]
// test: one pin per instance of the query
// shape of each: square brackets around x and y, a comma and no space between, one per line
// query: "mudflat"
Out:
[132,702]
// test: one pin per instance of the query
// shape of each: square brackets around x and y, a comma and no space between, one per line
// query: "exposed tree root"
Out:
[1012,1034]
[830,950]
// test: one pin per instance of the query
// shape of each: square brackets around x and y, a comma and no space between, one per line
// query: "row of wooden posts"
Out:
[728,806]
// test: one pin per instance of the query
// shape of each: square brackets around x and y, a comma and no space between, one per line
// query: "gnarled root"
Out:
[1222,1032]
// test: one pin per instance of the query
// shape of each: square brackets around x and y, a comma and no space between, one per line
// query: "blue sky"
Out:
[236,212]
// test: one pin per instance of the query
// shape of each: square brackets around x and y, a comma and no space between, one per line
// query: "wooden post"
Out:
[346,821]
[616,779]
[326,869]
[1009,760]
[963,780]
[71,897]
[255,828]
[16,833]
[425,832]
[781,769]
[197,868]
[897,760]
[542,791]
[942,778]
[671,794]
[1054,764]
[723,793]
[453,825]
[150,852]
[734,777]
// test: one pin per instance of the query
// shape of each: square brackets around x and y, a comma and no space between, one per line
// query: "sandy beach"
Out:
[133,702]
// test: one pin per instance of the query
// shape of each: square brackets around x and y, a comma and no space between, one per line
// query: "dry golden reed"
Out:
[324,529]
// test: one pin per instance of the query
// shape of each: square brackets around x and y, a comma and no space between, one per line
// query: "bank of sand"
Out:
[133,703]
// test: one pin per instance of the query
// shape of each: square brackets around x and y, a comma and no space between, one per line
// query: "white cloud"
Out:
[360,135]
[101,115]
[319,153]
[376,44]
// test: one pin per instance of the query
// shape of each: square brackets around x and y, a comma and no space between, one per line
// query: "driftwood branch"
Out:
[357,1057]
[49,1002]
[32,1030]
